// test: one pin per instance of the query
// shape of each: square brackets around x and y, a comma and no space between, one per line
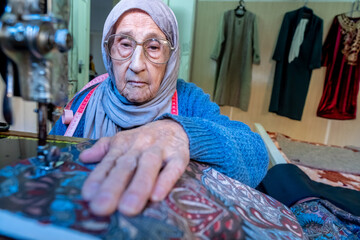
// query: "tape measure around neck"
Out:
[80,111]
[174,104]
[93,82]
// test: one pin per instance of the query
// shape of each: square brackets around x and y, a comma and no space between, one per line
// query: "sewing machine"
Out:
[34,35]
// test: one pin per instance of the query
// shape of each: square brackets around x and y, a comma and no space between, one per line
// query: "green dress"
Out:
[236,49]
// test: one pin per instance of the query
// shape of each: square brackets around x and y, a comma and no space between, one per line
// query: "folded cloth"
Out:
[288,184]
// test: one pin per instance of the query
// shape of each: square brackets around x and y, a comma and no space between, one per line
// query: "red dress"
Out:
[341,57]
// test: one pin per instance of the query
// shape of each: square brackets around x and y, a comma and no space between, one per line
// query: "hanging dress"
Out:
[341,57]
[294,68]
[236,49]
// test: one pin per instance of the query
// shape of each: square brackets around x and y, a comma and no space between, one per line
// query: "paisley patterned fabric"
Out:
[322,220]
[319,218]
[204,204]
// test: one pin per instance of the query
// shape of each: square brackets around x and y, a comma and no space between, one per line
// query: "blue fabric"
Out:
[322,220]
[228,146]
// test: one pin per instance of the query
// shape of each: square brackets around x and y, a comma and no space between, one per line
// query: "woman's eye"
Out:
[125,44]
[155,46]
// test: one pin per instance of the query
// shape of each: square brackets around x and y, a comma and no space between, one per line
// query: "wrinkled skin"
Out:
[137,79]
[144,163]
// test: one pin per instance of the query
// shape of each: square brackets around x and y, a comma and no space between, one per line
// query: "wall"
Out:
[270,15]
[185,15]
[20,109]
[99,11]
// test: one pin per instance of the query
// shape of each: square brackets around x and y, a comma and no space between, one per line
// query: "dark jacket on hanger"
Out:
[291,81]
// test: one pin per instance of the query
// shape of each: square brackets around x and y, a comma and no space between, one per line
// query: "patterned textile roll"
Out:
[204,204]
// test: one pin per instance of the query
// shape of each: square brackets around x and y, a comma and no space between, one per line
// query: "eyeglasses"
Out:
[121,47]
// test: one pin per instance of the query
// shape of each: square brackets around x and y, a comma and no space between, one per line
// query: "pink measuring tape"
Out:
[73,120]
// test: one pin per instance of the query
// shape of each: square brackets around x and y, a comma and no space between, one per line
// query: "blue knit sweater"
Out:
[228,146]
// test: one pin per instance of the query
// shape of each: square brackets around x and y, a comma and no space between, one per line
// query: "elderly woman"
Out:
[151,124]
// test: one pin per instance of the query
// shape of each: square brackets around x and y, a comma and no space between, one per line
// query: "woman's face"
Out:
[138,79]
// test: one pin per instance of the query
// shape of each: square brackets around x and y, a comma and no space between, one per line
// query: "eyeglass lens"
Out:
[122,47]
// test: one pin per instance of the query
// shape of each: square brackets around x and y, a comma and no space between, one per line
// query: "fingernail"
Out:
[90,190]
[129,204]
[158,195]
[101,202]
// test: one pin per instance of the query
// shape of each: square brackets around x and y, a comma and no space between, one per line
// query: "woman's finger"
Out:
[96,177]
[97,152]
[138,193]
[99,174]
[107,197]
[168,177]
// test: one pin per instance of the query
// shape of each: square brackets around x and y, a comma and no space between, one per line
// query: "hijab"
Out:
[108,111]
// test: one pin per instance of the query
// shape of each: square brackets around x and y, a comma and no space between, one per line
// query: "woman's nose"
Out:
[137,63]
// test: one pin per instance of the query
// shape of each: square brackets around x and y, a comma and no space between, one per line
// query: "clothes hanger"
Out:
[240,9]
[355,8]
[306,13]
[306,2]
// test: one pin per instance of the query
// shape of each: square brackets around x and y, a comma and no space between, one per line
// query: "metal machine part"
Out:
[34,34]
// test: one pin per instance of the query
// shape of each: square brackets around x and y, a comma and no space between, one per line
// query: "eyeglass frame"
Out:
[106,44]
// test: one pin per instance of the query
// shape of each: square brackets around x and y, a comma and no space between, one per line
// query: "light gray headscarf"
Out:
[108,112]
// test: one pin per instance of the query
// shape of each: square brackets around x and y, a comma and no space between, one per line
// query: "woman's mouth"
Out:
[136,83]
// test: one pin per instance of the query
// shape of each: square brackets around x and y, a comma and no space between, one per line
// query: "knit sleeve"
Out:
[228,146]
[59,128]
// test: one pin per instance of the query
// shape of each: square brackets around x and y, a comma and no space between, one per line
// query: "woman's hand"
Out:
[136,166]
